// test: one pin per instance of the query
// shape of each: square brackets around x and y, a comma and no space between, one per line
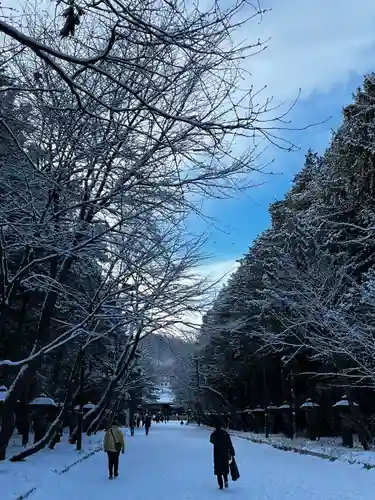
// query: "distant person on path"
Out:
[147,423]
[133,423]
[223,452]
[113,444]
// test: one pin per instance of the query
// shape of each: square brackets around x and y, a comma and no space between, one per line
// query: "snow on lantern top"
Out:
[43,400]
[309,404]
[87,406]
[271,406]
[284,406]
[344,402]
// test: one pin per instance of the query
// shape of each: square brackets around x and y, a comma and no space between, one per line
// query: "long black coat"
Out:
[223,449]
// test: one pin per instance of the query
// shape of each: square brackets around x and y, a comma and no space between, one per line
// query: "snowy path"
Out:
[175,463]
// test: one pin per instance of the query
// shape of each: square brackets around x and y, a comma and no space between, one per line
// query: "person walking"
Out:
[114,444]
[223,452]
[132,425]
[147,423]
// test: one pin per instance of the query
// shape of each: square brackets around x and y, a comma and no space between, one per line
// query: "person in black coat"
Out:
[147,423]
[223,451]
[132,425]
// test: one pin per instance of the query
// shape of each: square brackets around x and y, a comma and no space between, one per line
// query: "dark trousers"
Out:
[132,430]
[221,479]
[147,430]
[113,457]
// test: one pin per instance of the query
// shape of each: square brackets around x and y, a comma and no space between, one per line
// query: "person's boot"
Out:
[226,484]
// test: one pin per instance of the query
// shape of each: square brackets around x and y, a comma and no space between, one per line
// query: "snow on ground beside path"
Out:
[175,463]
[18,478]
[327,446]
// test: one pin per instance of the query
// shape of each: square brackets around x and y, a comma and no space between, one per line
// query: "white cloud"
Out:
[219,270]
[315,45]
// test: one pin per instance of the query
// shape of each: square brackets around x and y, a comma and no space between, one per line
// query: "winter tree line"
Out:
[296,319]
[116,118]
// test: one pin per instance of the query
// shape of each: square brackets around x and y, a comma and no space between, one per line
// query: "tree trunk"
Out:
[359,425]
[96,422]
[8,409]
[232,410]
[39,445]
[23,379]
[92,418]
[89,419]
[51,431]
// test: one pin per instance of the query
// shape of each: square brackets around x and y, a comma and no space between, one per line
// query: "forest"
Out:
[116,119]
[295,321]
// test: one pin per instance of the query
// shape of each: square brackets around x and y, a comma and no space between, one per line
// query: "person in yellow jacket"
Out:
[114,443]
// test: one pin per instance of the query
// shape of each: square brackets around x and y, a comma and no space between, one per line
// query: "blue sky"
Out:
[323,47]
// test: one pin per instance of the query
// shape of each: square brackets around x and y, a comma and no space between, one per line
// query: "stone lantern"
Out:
[272,412]
[259,413]
[310,409]
[42,408]
[286,415]
[343,409]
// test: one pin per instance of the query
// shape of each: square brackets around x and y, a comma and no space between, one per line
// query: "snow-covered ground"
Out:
[175,463]
[19,478]
[326,447]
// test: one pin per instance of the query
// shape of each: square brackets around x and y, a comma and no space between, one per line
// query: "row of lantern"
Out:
[43,401]
[307,405]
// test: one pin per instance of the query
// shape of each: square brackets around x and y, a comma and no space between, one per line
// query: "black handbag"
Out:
[234,472]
